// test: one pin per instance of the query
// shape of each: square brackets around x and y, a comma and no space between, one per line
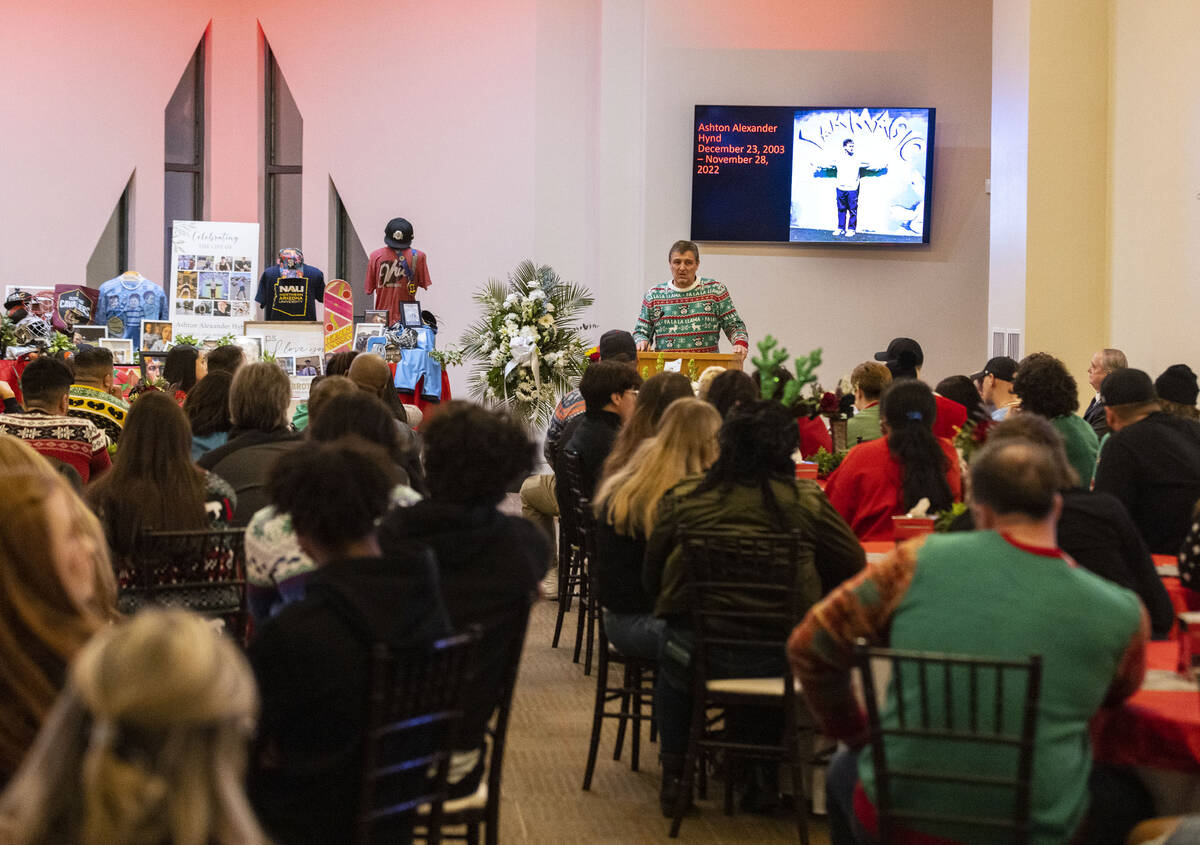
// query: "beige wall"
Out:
[1155,195]
[1067,246]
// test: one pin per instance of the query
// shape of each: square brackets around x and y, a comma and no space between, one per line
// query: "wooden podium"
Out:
[647,362]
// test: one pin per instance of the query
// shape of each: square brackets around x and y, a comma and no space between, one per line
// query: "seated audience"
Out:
[539,494]
[372,374]
[1005,591]
[998,376]
[488,564]
[730,389]
[1151,461]
[146,743]
[1045,388]
[610,391]
[1093,528]
[750,489]
[963,391]
[91,396]
[153,484]
[706,379]
[276,567]
[1177,391]
[626,505]
[312,659]
[889,476]
[207,410]
[1105,361]
[56,590]
[655,394]
[225,358]
[904,358]
[46,384]
[258,404]
[814,436]
[869,379]
[184,367]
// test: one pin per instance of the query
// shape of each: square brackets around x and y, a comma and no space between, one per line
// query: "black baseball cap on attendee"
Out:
[1127,386]
[617,345]
[1177,384]
[902,356]
[398,234]
[1002,367]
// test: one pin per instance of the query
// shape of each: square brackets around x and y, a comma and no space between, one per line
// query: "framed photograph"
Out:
[410,314]
[362,331]
[308,365]
[157,335]
[287,363]
[376,345]
[88,334]
[375,317]
[153,364]
[121,347]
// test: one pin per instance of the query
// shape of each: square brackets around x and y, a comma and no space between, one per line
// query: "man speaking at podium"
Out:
[688,313]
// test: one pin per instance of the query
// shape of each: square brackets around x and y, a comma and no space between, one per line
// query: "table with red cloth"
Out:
[10,371]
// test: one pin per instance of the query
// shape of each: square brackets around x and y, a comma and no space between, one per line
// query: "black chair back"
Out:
[974,707]
[416,705]
[202,570]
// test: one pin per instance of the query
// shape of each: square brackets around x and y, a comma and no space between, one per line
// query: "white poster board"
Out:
[288,343]
[214,272]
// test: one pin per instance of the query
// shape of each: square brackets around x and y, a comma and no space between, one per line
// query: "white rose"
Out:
[546,320]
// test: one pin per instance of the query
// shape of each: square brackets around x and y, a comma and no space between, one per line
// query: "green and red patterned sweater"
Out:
[691,319]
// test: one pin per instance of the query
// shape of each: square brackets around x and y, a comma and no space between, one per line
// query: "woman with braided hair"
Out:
[750,489]
[147,743]
[887,477]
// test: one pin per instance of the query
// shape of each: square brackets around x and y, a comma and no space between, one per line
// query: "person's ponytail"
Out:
[909,409]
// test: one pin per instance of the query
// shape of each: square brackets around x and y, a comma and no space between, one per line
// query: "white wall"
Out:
[551,129]
[1155,188]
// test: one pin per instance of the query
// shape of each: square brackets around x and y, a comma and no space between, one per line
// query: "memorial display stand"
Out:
[647,362]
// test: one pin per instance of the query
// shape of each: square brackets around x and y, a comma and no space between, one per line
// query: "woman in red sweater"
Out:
[886,477]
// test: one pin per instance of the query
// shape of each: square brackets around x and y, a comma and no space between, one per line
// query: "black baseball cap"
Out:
[902,355]
[1127,386]
[398,234]
[617,345]
[1002,367]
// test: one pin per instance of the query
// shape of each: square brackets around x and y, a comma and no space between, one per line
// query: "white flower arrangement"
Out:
[528,346]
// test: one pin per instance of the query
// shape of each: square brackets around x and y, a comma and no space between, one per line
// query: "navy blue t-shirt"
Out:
[290,298]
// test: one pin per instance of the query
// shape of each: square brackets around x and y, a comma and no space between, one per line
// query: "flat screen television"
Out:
[840,174]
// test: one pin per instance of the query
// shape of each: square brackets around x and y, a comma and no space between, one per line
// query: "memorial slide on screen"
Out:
[802,175]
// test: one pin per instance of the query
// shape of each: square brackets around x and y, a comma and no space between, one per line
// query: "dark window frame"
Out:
[271,168]
[196,167]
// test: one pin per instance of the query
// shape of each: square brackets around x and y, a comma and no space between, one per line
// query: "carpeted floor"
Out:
[548,738]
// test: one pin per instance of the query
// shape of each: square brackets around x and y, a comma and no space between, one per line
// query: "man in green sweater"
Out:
[1005,591]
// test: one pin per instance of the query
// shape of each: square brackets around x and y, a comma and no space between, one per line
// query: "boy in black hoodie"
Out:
[312,659]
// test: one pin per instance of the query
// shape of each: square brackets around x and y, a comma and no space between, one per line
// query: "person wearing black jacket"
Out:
[1094,528]
[610,394]
[1151,462]
[488,564]
[312,660]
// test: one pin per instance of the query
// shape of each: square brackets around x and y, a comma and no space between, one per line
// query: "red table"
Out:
[428,409]
[10,371]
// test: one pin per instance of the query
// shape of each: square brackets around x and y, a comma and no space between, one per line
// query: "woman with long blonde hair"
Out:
[147,743]
[685,444]
[56,590]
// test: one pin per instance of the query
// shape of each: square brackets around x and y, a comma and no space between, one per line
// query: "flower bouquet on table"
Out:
[528,346]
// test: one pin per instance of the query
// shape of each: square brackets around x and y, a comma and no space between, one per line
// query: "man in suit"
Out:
[1103,363]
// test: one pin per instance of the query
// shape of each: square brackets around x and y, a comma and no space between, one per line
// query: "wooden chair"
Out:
[417,700]
[572,572]
[202,570]
[483,807]
[973,708]
[632,693]
[743,598]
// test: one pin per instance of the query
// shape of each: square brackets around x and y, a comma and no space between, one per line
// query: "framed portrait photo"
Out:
[153,364]
[410,314]
[88,334]
[121,348]
[375,316]
[362,331]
